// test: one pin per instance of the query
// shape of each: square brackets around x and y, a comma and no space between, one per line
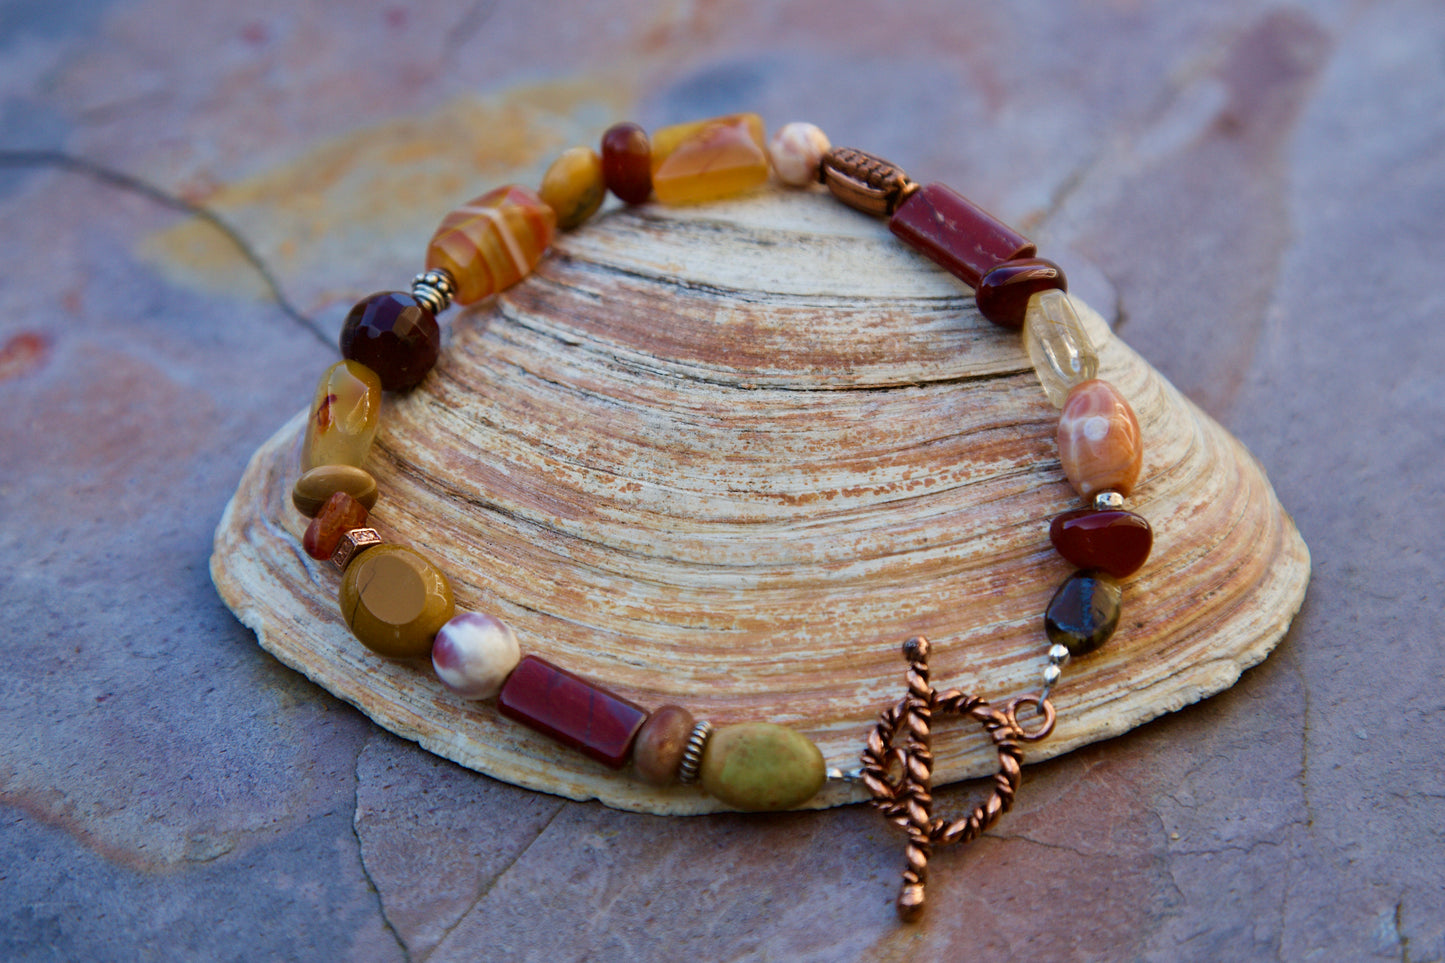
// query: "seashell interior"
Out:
[730,457]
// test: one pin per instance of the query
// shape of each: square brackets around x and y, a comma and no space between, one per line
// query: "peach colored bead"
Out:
[491,243]
[1099,443]
[797,150]
[573,186]
[709,159]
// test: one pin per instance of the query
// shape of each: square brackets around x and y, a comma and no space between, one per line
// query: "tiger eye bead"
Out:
[395,601]
[344,416]
[627,162]
[395,336]
[1003,294]
[492,242]
[313,488]
[709,159]
[1099,442]
[660,744]
[573,187]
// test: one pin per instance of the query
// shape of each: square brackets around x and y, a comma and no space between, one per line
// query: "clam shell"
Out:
[730,457]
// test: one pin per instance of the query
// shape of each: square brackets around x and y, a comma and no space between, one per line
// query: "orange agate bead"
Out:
[1099,443]
[492,242]
[709,159]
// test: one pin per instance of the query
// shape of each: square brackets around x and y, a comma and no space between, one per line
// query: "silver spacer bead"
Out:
[1058,654]
[1105,500]
[692,755]
[434,289]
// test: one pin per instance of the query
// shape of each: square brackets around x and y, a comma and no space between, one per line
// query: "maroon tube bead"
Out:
[627,162]
[964,239]
[1003,294]
[571,710]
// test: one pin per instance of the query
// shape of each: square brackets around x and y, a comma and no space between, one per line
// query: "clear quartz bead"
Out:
[1058,344]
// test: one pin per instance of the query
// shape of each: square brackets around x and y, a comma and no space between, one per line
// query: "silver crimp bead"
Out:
[692,755]
[1105,500]
[434,289]
[1058,654]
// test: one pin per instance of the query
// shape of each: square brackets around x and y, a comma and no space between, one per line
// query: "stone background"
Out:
[1260,187]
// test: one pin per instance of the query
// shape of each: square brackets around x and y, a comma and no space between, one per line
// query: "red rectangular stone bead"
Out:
[571,710]
[964,239]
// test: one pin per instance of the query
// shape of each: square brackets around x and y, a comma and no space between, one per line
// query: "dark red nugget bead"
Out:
[962,237]
[627,162]
[339,515]
[571,710]
[393,335]
[1003,293]
[1110,539]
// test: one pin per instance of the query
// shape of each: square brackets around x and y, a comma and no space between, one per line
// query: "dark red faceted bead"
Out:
[571,710]
[953,231]
[627,162]
[1110,539]
[393,335]
[1003,293]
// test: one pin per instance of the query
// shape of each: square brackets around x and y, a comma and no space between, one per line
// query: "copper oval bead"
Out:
[1099,443]
[660,744]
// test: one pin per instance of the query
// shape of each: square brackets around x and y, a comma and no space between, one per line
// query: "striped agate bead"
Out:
[492,242]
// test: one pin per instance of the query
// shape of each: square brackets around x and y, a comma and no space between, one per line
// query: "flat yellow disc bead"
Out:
[395,601]
[573,186]
[344,416]
[709,159]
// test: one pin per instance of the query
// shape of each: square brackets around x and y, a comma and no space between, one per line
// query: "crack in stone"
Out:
[110,177]
[361,853]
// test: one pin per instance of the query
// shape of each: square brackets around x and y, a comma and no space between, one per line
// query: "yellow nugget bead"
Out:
[709,159]
[573,187]
[491,243]
[344,417]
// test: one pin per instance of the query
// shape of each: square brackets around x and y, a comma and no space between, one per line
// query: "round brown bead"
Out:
[660,744]
[393,334]
[627,162]
[395,601]
[313,488]
[1003,293]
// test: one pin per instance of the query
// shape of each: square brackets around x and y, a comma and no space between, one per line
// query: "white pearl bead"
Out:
[796,150]
[473,654]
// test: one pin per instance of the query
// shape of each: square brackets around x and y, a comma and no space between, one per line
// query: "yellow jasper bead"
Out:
[395,601]
[1099,442]
[344,417]
[709,159]
[573,186]
[491,243]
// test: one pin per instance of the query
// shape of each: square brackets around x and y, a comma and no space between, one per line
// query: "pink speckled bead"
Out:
[473,654]
[1099,443]
[797,150]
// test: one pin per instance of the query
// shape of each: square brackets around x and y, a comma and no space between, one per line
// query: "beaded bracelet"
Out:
[400,605]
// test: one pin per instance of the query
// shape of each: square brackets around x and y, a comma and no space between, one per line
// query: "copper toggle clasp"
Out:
[907,798]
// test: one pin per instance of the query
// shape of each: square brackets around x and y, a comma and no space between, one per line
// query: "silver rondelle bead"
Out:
[692,755]
[434,289]
[1058,654]
[1105,500]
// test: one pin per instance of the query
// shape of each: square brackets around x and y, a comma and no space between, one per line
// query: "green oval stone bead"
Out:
[759,766]
[395,601]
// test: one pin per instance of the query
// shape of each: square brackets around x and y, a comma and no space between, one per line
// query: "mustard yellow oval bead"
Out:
[344,417]
[395,601]
[314,487]
[573,186]
[491,243]
[1099,442]
[709,159]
